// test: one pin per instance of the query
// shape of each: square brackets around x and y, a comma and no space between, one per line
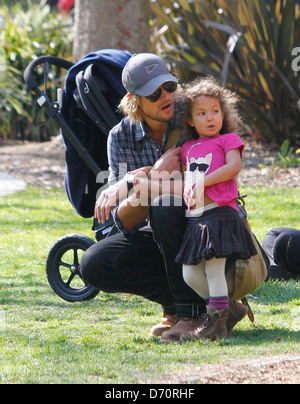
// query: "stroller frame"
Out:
[63,261]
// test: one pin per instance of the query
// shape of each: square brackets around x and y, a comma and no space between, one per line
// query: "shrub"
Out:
[194,36]
[27,33]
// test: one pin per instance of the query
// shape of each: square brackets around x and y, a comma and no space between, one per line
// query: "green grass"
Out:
[46,340]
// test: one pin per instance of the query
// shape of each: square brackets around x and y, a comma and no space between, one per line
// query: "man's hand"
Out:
[110,197]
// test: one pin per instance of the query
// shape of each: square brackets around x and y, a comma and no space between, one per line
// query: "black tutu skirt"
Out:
[218,233]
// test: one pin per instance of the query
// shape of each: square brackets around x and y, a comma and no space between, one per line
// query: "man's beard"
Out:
[156,118]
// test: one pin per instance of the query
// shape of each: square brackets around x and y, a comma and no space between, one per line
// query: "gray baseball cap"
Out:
[144,73]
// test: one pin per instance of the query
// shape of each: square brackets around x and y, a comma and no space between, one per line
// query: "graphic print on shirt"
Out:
[196,167]
[202,164]
[194,162]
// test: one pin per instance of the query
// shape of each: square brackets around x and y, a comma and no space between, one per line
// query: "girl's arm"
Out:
[225,173]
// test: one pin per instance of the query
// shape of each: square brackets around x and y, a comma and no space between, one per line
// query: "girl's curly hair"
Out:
[209,86]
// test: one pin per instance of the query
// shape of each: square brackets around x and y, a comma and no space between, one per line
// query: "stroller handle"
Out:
[53,111]
[52,60]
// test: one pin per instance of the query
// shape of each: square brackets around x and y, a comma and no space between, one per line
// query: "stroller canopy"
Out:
[93,90]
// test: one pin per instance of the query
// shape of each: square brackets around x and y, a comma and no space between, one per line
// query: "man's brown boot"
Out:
[237,311]
[166,323]
[215,324]
[183,326]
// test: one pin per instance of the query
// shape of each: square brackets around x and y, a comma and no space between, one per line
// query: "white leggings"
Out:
[207,278]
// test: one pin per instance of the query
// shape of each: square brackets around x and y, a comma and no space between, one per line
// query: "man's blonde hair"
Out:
[130,105]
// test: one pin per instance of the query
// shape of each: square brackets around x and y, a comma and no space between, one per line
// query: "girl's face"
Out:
[206,116]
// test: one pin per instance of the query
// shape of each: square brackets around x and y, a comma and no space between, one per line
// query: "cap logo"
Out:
[151,68]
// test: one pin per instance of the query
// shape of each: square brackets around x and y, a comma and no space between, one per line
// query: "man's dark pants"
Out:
[143,263]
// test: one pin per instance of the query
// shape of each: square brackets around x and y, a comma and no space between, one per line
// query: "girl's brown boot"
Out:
[215,324]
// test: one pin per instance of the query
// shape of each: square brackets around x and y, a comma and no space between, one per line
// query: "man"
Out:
[141,258]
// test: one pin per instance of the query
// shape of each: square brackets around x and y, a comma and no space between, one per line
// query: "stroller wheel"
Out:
[63,265]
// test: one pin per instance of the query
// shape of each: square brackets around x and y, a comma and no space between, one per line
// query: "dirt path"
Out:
[43,165]
[282,369]
[39,164]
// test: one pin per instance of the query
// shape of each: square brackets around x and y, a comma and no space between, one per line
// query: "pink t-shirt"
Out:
[208,154]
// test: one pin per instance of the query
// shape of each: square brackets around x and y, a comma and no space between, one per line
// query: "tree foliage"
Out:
[257,37]
[27,32]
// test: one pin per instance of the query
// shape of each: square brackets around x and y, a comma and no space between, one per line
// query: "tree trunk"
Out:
[118,24]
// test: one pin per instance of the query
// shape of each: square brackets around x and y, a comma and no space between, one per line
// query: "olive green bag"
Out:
[245,276]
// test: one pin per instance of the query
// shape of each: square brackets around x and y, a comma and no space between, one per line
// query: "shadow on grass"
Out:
[261,335]
[28,290]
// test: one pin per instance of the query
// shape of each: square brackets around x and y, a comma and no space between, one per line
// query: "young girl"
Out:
[214,232]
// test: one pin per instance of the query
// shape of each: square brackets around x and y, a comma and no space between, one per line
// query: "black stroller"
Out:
[85,112]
